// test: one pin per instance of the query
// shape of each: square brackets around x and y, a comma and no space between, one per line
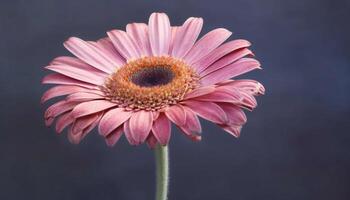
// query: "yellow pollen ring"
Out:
[120,89]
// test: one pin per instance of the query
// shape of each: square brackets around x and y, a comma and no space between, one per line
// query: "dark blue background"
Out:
[296,144]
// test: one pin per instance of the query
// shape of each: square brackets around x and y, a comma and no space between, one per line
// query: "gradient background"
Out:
[296,144]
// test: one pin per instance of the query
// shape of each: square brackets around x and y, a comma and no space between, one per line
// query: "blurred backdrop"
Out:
[296,144]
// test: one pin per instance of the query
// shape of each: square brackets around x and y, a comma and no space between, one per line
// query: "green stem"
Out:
[162,167]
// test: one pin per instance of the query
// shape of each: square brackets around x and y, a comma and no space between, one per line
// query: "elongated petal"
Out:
[176,114]
[107,47]
[84,96]
[155,115]
[91,76]
[162,129]
[90,54]
[56,109]
[222,94]
[64,80]
[61,90]
[242,66]
[190,134]
[219,52]
[235,114]
[128,134]
[113,119]
[63,121]
[74,62]
[249,102]
[208,110]
[125,45]
[77,63]
[140,125]
[186,36]
[113,137]
[217,97]
[159,33]
[76,137]
[174,30]
[83,122]
[151,141]
[192,121]
[233,130]
[207,44]
[200,92]
[139,32]
[91,107]
[251,86]
[228,59]
[192,128]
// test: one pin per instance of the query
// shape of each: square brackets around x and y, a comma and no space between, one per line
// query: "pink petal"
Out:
[233,130]
[91,76]
[72,61]
[60,91]
[208,110]
[207,44]
[162,129]
[107,47]
[91,107]
[192,128]
[113,137]
[151,141]
[186,36]
[242,66]
[248,102]
[219,52]
[228,59]
[176,114]
[125,45]
[76,137]
[251,86]
[159,34]
[139,33]
[63,121]
[222,94]
[235,114]
[112,119]
[73,138]
[225,82]
[128,134]
[90,54]
[155,115]
[57,109]
[190,134]
[140,125]
[76,63]
[83,122]
[200,92]
[192,121]
[174,30]
[64,80]
[84,96]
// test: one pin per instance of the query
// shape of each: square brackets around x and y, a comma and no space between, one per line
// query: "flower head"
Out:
[140,80]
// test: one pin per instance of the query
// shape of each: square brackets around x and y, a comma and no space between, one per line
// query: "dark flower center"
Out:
[150,83]
[153,76]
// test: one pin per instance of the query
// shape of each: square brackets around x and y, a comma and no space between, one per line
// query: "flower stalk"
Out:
[162,172]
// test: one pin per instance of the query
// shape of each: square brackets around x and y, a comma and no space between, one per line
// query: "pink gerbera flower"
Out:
[139,81]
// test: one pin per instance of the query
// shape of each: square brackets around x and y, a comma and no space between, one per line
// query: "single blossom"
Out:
[141,80]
